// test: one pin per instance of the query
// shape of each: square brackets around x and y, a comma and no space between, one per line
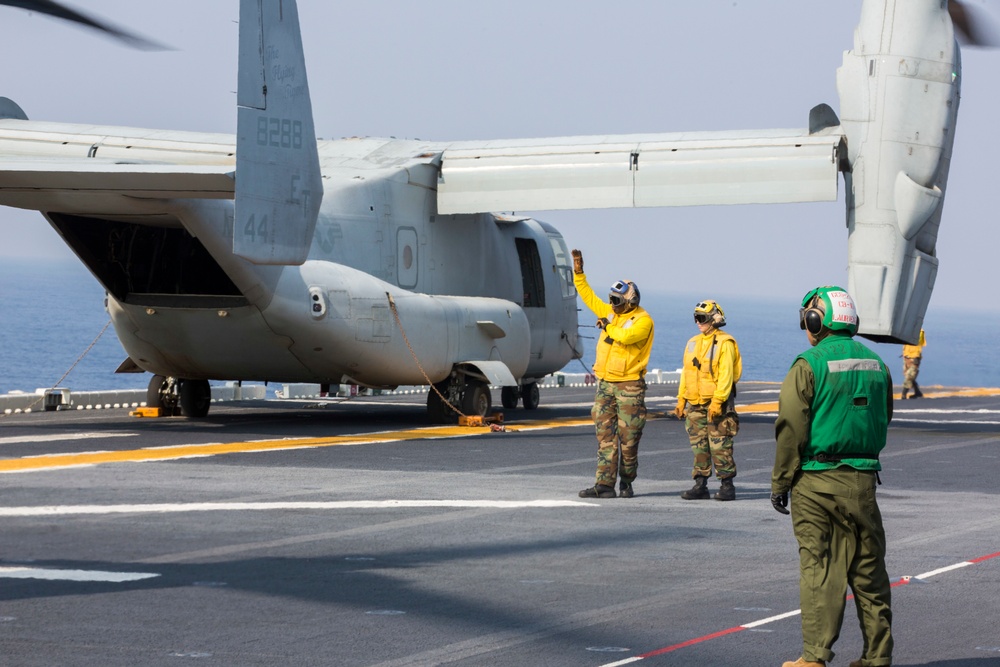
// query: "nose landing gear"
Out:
[191,398]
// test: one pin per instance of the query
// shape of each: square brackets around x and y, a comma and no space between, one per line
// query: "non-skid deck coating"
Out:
[258,537]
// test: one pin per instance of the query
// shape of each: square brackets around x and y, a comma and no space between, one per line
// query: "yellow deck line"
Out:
[771,406]
[52,461]
[965,392]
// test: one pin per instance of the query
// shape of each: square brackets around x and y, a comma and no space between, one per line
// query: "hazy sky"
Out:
[460,69]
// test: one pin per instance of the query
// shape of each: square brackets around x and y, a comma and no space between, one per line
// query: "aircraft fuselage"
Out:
[465,287]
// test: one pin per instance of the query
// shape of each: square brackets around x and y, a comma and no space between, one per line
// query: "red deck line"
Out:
[722,633]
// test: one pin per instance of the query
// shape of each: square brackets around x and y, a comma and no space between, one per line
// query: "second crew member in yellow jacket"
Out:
[706,400]
[624,341]
[912,356]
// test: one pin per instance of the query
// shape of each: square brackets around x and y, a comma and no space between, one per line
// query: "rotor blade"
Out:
[974,26]
[62,12]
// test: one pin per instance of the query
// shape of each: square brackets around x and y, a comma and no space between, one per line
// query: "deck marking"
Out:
[72,575]
[175,452]
[771,619]
[15,439]
[172,508]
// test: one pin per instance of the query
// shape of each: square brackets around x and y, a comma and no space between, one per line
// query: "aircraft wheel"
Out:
[437,411]
[161,393]
[153,397]
[196,397]
[477,399]
[529,396]
[509,396]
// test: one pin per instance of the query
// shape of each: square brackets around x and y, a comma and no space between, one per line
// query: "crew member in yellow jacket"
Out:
[912,354]
[623,346]
[712,367]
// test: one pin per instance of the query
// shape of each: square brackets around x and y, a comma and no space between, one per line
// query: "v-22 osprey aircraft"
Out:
[380,262]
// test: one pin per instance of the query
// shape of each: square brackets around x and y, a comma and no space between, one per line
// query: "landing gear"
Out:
[529,395]
[477,399]
[190,398]
[162,393]
[526,393]
[509,396]
[437,410]
[196,397]
[469,395]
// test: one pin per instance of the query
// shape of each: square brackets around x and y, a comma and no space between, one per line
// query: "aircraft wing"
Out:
[624,171]
[89,170]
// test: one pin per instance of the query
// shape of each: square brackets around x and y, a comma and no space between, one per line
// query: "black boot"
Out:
[625,490]
[598,491]
[905,392]
[699,491]
[916,391]
[727,491]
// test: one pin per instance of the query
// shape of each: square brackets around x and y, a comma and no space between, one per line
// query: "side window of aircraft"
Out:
[563,266]
[531,273]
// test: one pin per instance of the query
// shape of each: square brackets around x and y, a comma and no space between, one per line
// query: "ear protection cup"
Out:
[813,320]
[633,295]
[811,315]
[828,308]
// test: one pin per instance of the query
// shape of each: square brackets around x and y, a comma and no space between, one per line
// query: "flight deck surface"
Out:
[352,533]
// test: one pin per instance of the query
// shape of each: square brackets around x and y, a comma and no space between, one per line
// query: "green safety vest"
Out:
[849,411]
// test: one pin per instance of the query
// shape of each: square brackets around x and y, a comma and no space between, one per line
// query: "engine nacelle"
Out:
[899,94]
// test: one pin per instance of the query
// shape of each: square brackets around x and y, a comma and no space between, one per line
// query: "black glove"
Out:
[779,501]
[603,322]
[577,261]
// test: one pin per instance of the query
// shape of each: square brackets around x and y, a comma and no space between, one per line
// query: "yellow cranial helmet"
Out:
[709,312]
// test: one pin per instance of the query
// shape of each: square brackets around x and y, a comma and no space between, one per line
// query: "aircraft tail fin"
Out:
[278,182]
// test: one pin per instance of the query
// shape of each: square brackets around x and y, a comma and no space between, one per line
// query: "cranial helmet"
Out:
[624,296]
[830,308]
[710,312]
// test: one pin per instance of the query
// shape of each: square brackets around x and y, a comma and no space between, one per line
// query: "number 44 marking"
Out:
[256,231]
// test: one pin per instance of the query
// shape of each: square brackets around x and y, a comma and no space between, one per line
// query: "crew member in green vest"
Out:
[833,413]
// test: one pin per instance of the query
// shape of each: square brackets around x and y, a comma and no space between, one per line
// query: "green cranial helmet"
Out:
[829,307]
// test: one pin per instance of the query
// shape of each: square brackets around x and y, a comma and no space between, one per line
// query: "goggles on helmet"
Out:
[708,312]
[618,292]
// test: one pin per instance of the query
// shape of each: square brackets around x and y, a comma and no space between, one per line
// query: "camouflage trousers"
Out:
[619,414]
[711,442]
[911,367]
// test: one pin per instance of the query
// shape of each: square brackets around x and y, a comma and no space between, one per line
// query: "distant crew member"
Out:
[712,367]
[833,413]
[624,342]
[912,354]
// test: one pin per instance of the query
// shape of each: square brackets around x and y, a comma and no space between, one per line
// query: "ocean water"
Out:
[958,353]
[52,312]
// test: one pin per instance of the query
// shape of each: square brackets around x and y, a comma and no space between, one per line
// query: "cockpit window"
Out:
[563,265]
